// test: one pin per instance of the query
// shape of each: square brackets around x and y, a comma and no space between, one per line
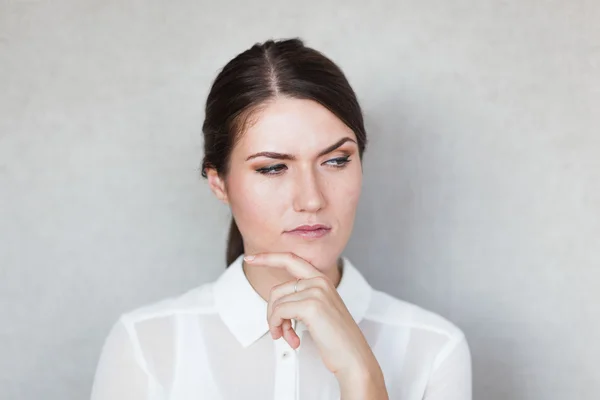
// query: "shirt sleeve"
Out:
[120,374]
[451,377]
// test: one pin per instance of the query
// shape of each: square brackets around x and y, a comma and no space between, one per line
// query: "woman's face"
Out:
[312,176]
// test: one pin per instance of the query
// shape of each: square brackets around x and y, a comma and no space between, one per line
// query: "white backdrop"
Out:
[481,194]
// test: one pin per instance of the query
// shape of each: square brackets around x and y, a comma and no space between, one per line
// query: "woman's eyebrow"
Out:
[282,156]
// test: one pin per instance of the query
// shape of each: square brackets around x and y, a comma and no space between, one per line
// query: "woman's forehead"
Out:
[294,124]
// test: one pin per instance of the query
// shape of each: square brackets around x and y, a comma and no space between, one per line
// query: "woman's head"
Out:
[283,144]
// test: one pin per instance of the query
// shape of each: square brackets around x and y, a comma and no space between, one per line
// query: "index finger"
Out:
[294,264]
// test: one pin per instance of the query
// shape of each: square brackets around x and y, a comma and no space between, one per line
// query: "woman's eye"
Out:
[339,162]
[272,170]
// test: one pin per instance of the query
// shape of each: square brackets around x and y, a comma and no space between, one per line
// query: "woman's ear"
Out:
[217,185]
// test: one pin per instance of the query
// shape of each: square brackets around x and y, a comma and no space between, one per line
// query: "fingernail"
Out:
[248,258]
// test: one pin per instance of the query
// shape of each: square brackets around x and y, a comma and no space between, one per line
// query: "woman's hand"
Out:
[342,346]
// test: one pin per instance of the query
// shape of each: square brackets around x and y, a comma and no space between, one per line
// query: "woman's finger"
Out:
[295,265]
[285,289]
[311,292]
[286,329]
[285,292]
[308,275]
[289,334]
[282,326]
[302,285]
[279,294]
[301,310]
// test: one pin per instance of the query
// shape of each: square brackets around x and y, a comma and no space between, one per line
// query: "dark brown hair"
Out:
[275,68]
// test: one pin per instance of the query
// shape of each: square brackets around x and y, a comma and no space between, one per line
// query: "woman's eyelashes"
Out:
[339,162]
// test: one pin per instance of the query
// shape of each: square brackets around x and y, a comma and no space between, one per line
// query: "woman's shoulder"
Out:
[197,300]
[395,312]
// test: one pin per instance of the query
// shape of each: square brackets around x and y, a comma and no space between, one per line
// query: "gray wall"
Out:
[481,195]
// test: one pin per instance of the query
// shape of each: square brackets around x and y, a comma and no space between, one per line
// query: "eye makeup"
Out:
[338,162]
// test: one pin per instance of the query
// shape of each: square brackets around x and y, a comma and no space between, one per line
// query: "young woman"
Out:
[291,317]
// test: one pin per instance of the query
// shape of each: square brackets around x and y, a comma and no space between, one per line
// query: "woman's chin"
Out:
[321,259]
[322,262]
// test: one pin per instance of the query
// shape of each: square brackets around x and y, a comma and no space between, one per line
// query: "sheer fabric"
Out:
[212,343]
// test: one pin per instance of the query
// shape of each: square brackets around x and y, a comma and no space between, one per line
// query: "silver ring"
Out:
[296,285]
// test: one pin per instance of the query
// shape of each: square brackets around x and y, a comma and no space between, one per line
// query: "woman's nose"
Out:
[309,194]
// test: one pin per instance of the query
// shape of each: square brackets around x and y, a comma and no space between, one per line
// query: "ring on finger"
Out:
[296,285]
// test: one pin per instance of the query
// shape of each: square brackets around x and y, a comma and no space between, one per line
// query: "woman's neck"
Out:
[262,279]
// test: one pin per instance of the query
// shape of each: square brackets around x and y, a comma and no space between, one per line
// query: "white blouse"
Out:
[212,343]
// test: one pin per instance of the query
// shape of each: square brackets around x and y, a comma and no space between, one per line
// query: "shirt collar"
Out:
[244,312]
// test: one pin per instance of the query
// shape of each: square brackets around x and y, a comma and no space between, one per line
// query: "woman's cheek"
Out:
[348,189]
[346,200]
[255,208]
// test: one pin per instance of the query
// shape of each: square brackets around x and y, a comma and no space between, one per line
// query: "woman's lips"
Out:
[310,234]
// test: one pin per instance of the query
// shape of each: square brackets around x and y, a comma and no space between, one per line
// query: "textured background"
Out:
[481,194]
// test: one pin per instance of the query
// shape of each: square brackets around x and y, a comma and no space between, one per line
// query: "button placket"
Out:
[286,369]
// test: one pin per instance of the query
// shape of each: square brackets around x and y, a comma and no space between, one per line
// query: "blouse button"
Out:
[285,354]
